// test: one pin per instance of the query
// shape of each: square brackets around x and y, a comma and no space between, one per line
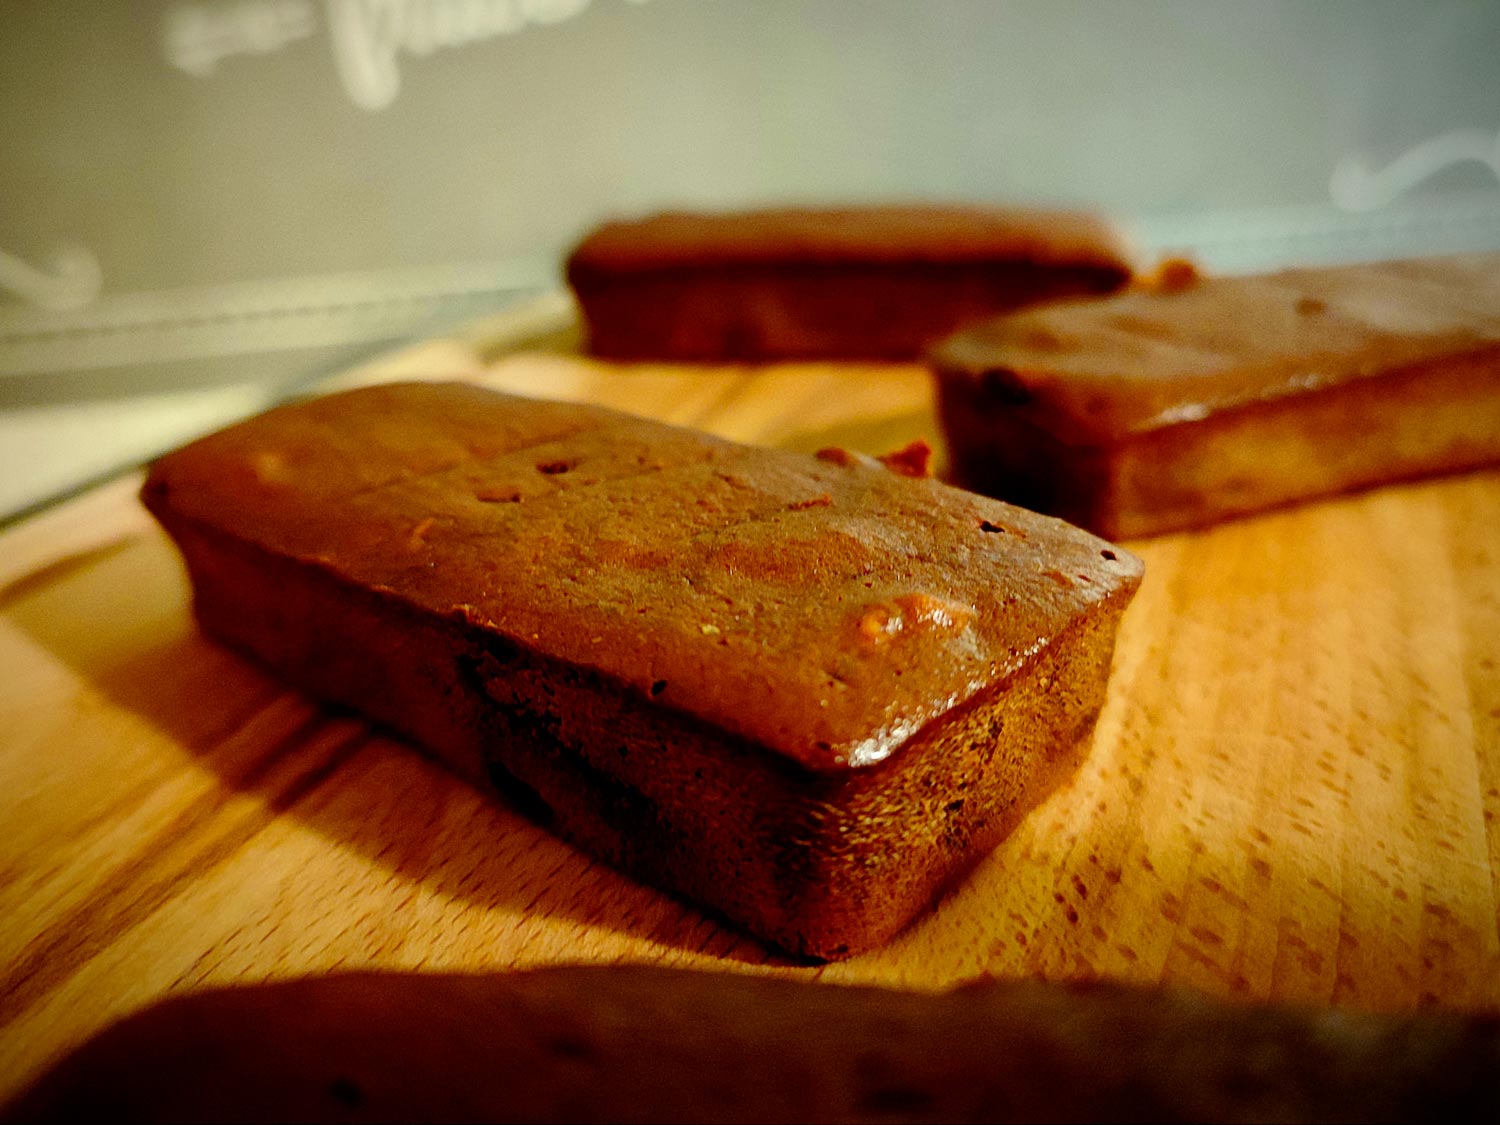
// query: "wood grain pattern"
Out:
[1293,791]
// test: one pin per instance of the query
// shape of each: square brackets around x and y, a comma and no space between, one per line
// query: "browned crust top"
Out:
[889,235]
[821,606]
[1096,371]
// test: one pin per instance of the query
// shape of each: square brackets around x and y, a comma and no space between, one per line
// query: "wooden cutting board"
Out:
[1292,793]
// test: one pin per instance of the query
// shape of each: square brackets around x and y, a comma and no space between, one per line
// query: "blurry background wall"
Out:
[203,199]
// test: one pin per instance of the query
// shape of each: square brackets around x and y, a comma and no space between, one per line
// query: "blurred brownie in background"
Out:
[880,282]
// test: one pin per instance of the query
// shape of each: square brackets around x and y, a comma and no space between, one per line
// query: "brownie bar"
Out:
[805,691]
[1150,412]
[852,283]
[637,1043]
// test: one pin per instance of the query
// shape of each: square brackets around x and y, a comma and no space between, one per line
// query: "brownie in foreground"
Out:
[876,282]
[805,691]
[1148,411]
[631,1043]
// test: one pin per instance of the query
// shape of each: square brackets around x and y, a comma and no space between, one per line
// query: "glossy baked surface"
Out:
[1095,372]
[819,605]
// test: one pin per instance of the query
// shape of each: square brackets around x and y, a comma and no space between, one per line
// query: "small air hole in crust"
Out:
[571,1047]
[552,468]
[498,495]
[1004,386]
[346,1092]
[658,687]
[985,525]
[1110,555]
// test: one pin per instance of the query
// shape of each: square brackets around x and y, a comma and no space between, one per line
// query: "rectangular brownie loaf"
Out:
[804,691]
[1152,411]
[849,283]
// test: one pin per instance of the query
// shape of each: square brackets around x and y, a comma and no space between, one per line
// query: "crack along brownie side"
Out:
[803,691]
[841,283]
[1154,411]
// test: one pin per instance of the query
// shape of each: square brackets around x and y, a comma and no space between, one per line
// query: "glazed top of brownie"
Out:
[853,235]
[822,606]
[1094,371]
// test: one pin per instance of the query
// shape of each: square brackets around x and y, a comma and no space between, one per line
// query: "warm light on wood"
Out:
[1292,793]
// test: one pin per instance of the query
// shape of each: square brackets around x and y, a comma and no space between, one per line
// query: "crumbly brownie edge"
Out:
[996,450]
[1408,423]
[1423,420]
